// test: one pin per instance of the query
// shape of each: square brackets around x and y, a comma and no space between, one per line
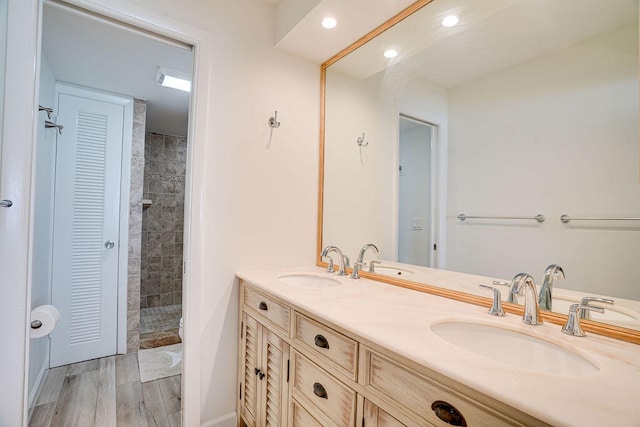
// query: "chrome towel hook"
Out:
[48,110]
[273,121]
[361,142]
[48,124]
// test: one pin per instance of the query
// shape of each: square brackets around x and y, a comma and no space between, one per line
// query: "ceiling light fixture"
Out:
[329,22]
[173,79]
[390,53]
[450,21]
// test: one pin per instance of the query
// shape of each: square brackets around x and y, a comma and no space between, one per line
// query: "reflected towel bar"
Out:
[539,217]
[566,218]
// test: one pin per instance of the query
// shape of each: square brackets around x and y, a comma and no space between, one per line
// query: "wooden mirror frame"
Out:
[599,328]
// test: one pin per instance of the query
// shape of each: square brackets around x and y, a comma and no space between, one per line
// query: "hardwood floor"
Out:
[106,392]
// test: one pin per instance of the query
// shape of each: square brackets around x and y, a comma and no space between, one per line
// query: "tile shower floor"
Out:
[159,326]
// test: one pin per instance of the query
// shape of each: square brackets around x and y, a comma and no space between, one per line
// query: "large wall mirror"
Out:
[522,112]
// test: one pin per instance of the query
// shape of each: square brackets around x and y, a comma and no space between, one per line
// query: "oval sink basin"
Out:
[309,280]
[391,271]
[514,348]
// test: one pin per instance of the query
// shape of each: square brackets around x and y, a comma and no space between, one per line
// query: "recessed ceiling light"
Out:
[390,53]
[329,22]
[174,80]
[450,21]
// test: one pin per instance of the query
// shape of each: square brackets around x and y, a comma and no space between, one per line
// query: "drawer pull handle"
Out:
[262,306]
[319,391]
[256,371]
[321,341]
[261,376]
[448,413]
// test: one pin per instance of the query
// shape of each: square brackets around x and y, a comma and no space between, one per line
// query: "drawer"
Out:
[300,417]
[420,395]
[266,308]
[320,389]
[326,342]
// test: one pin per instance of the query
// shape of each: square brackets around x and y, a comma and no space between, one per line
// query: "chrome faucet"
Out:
[585,314]
[550,274]
[515,288]
[363,250]
[524,283]
[341,258]
[572,327]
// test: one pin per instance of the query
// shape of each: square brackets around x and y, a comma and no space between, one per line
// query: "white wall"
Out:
[351,216]
[260,199]
[43,222]
[555,135]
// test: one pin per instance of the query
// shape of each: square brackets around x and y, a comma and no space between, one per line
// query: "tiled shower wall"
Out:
[163,221]
[135,224]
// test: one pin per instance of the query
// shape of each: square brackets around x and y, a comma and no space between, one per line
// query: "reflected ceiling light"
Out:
[390,53]
[450,21]
[173,79]
[329,22]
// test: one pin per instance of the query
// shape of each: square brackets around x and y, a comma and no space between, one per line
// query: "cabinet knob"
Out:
[318,390]
[261,376]
[448,413]
[262,306]
[256,371]
[321,341]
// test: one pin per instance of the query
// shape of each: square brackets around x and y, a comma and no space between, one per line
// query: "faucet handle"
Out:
[572,327]
[496,307]
[501,282]
[584,314]
[372,263]
[356,268]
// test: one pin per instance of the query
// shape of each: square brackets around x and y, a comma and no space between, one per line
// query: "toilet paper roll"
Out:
[46,316]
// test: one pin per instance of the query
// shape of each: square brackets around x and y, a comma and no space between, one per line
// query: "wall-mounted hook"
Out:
[361,142]
[48,124]
[273,121]
[48,110]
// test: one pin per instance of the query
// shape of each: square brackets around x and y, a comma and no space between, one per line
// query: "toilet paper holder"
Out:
[36,324]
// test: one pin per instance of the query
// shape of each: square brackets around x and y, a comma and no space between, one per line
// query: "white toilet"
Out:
[180,329]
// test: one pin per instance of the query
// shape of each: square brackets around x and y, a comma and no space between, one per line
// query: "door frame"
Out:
[438,221]
[125,186]
[23,50]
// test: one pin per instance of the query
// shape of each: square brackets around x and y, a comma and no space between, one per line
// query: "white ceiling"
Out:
[492,35]
[309,40]
[87,52]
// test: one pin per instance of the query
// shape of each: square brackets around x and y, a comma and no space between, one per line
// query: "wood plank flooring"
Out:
[107,392]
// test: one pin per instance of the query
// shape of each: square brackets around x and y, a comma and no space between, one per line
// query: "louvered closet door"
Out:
[86,227]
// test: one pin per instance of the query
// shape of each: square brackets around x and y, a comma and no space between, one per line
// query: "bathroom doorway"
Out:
[416,192]
[90,52]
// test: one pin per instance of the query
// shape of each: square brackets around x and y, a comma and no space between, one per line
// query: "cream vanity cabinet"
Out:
[299,370]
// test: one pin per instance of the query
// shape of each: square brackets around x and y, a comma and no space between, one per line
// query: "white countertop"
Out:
[624,312]
[399,320]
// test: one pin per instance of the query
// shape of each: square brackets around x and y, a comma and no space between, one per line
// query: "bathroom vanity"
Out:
[317,349]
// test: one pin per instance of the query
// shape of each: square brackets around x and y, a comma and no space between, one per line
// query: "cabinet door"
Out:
[274,373]
[248,375]
[263,376]
[376,417]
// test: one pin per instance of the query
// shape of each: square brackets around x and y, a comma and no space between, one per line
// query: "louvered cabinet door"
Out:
[263,376]
[274,384]
[249,377]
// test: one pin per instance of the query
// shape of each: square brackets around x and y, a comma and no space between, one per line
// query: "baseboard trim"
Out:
[227,420]
[38,384]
